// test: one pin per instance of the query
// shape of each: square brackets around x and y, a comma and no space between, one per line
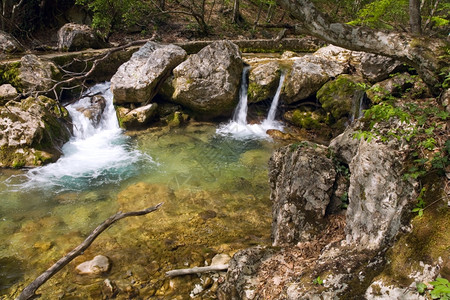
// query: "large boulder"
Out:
[32,132]
[263,81]
[37,74]
[74,37]
[8,44]
[208,82]
[139,79]
[301,179]
[310,72]
[95,109]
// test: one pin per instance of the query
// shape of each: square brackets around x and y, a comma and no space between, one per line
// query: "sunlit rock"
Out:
[208,82]
[136,118]
[7,92]
[263,81]
[37,74]
[139,79]
[32,132]
[94,111]
[98,265]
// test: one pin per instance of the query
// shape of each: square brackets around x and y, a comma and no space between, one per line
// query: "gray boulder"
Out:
[37,74]
[375,67]
[32,132]
[390,87]
[263,81]
[74,37]
[8,44]
[301,179]
[310,72]
[7,92]
[208,82]
[139,79]
[135,118]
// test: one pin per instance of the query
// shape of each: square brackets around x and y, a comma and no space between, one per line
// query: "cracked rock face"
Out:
[301,181]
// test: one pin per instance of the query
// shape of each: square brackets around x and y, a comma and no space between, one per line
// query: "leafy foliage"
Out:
[383,14]
[421,204]
[318,281]
[441,289]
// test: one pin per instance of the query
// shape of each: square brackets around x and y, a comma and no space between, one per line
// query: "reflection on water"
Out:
[216,200]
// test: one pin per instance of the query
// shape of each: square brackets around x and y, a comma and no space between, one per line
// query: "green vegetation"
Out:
[422,125]
[318,281]
[421,204]
[441,289]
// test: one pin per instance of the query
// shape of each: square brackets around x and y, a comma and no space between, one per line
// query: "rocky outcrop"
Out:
[7,92]
[74,37]
[208,82]
[32,132]
[310,72]
[8,44]
[37,74]
[263,81]
[136,118]
[301,179]
[139,79]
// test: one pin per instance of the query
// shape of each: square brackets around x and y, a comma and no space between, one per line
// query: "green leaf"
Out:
[421,287]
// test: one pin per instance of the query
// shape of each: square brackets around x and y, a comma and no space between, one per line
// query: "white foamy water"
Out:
[95,155]
[238,126]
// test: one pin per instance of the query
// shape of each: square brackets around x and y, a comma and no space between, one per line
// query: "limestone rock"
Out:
[310,72]
[8,44]
[390,87]
[139,79]
[301,179]
[37,74]
[208,82]
[379,195]
[345,146]
[7,92]
[375,67]
[74,37]
[135,118]
[263,81]
[220,259]
[32,132]
[98,265]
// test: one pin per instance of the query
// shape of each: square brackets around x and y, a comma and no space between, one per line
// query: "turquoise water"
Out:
[215,194]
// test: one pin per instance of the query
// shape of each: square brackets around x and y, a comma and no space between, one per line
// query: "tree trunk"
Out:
[426,55]
[236,12]
[415,23]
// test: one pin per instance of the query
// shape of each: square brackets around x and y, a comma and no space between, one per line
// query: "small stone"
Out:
[99,264]
[220,259]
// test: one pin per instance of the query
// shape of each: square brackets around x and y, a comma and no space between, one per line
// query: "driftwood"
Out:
[196,270]
[29,291]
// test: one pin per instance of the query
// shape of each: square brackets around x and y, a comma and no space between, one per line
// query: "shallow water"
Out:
[216,200]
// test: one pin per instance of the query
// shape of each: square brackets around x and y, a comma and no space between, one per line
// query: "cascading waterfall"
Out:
[96,154]
[238,126]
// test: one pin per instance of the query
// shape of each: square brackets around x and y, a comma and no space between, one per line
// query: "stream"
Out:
[213,183]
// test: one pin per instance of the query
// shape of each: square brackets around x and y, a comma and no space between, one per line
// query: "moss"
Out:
[306,119]
[337,96]
[9,73]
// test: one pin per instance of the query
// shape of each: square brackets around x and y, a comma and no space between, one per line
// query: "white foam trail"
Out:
[95,155]
[238,126]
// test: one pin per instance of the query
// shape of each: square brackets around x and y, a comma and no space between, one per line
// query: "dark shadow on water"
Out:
[11,272]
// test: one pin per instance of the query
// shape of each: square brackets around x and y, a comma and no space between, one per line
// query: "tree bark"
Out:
[426,55]
[415,23]
[236,15]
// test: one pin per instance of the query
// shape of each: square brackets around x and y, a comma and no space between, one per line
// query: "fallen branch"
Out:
[196,270]
[29,291]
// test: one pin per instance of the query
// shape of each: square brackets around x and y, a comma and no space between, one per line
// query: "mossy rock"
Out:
[9,73]
[306,119]
[263,81]
[338,96]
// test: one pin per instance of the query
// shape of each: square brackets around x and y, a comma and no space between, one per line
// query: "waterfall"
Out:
[359,104]
[98,153]
[238,126]
[240,114]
